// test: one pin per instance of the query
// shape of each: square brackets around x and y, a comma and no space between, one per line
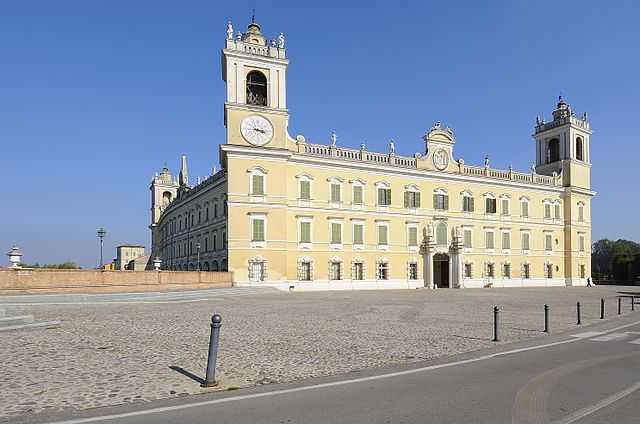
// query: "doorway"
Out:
[441,270]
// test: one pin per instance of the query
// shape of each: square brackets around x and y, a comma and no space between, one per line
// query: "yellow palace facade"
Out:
[287,213]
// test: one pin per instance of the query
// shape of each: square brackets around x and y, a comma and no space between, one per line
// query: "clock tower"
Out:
[254,69]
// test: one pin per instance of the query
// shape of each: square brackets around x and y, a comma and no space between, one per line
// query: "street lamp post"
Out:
[198,250]
[101,233]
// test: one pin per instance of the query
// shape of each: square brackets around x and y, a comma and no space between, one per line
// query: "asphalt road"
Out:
[590,375]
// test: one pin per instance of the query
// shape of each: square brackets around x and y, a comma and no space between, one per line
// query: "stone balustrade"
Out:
[412,163]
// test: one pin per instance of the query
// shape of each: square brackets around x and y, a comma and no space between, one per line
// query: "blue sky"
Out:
[95,96]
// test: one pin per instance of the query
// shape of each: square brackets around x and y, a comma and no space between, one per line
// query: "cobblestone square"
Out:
[118,352]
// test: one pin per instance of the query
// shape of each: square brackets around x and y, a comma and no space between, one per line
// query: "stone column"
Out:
[455,260]
[427,250]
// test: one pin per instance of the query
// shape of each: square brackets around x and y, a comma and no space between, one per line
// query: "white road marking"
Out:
[581,413]
[587,334]
[636,341]
[610,337]
[333,384]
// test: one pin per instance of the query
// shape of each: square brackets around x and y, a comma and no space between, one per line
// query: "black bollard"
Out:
[546,319]
[496,324]
[619,305]
[210,380]
[601,308]
[578,312]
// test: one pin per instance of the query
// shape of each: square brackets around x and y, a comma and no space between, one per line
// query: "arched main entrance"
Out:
[441,270]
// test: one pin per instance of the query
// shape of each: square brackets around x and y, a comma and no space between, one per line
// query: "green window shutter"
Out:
[417,194]
[336,233]
[446,202]
[506,241]
[305,232]
[305,190]
[471,208]
[489,236]
[435,201]
[382,235]
[388,196]
[406,199]
[357,234]
[335,192]
[467,239]
[413,236]
[258,230]
[357,195]
[258,184]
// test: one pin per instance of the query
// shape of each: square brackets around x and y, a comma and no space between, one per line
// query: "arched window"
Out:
[256,89]
[553,151]
[441,234]
[579,148]
[166,198]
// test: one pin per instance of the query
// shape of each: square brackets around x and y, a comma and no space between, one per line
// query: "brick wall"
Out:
[88,281]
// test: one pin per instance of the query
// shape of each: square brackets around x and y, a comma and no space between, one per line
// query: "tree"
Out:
[615,260]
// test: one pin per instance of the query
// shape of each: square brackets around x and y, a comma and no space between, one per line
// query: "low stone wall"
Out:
[96,281]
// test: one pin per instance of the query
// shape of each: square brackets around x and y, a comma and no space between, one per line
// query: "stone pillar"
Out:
[427,250]
[455,260]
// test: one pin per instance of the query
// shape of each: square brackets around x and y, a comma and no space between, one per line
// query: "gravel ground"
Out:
[109,354]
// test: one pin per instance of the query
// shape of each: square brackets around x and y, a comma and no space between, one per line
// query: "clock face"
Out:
[256,130]
[440,159]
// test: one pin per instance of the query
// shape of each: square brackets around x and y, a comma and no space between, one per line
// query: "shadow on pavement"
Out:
[187,374]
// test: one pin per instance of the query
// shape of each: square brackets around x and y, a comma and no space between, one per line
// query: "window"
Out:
[412,199]
[490,205]
[358,270]
[505,206]
[383,271]
[526,271]
[441,234]
[413,236]
[257,185]
[467,270]
[305,190]
[304,271]
[206,218]
[580,212]
[506,270]
[215,242]
[553,150]
[256,89]
[413,271]
[506,240]
[335,270]
[467,239]
[467,203]
[384,196]
[336,233]
[215,210]
[548,270]
[257,271]
[547,210]
[581,242]
[579,149]
[383,239]
[524,208]
[224,239]
[525,241]
[335,193]
[548,246]
[489,240]
[305,232]
[583,271]
[440,200]
[491,270]
[258,229]
[358,234]
[358,197]
[556,209]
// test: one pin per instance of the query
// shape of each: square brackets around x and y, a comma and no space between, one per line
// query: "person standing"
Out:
[589,282]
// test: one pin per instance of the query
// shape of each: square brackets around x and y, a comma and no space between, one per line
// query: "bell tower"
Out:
[562,146]
[254,69]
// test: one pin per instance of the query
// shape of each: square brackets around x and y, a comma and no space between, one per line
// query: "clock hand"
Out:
[259,130]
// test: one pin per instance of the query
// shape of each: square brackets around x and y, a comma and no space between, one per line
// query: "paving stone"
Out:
[109,354]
